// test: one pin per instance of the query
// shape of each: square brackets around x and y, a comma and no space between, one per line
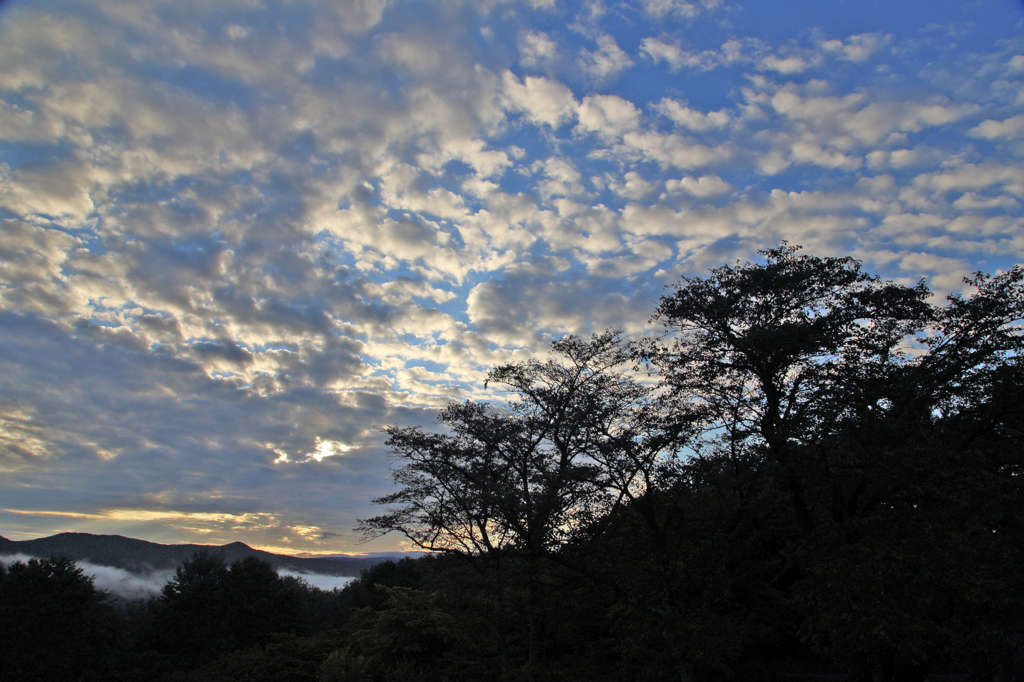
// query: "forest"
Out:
[800,472]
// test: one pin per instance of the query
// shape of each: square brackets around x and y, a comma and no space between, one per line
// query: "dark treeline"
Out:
[803,471]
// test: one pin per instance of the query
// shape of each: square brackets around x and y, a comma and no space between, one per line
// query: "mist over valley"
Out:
[136,569]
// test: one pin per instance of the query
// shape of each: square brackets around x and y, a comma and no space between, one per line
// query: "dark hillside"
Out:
[141,556]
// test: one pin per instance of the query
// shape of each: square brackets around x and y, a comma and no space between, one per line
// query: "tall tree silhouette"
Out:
[890,424]
[761,352]
[54,623]
[523,479]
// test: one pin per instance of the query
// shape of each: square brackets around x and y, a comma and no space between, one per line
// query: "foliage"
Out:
[524,478]
[888,426]
[818,437]
[209,608]
[762,355]
[54,623]
[343,666]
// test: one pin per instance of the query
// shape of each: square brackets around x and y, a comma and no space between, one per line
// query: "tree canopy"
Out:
[807,438]
[526,477]
[54,623]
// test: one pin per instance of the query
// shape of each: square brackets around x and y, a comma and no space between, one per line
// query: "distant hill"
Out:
[140,556]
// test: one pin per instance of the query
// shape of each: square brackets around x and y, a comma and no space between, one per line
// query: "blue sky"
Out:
[237,237]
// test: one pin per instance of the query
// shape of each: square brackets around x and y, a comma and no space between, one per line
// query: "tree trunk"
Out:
[534,611]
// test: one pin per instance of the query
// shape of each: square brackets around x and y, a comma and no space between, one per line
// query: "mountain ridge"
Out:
[143,556]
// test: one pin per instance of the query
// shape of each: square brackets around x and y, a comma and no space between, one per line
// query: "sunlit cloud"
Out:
[322,450]
[153,515]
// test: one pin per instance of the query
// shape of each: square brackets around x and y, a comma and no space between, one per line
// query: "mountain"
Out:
[140,556]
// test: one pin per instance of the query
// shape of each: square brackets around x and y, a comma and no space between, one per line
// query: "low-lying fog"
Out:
[130,585]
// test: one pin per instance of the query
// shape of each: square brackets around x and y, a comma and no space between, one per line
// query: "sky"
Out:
[238,237]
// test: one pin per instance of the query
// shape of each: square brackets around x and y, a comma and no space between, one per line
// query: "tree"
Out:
[209,608]
[524,479]
[54,623]
[190,622]
[761,355]
[827,476]
[891,426]
[923,480]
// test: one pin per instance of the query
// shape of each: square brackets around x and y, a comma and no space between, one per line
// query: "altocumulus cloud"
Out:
[237,238]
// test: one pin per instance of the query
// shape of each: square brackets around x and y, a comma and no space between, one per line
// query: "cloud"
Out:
[674,151]
[990,129]
[857,48]
[609,116]
[659,9]
[23,437]
[545,102]
[953,269]
[322,449]
[785,65]
[537,50]
[841,132]
[634,187]
[514,309]
[974,201]
[677,58]
[971,176]
[786,60]
[319,580]
[704,186]
[686,117]
[866,121]
[902,158]
[560,179]
[607,61]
